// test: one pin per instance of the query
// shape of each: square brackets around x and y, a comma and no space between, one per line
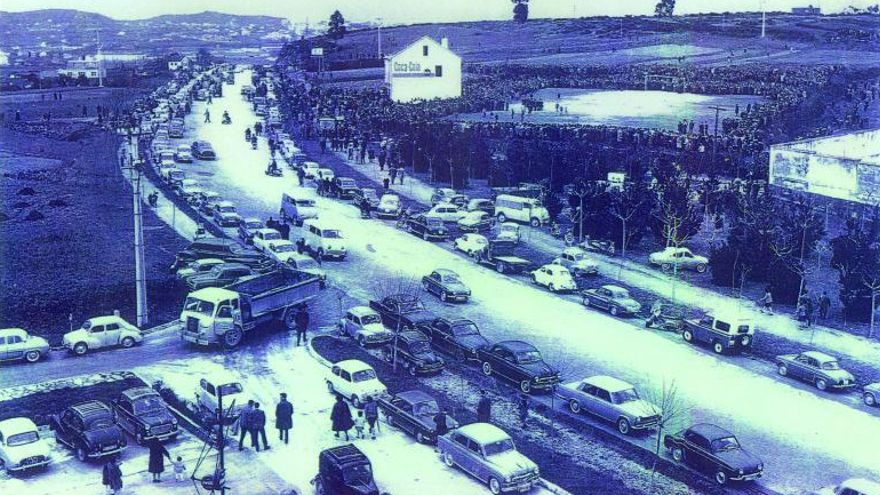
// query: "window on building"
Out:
[425,50]
[438,70]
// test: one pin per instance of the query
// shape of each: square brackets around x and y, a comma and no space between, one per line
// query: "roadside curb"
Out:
[552,487]
[314,354]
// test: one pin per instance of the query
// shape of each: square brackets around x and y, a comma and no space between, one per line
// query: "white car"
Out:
[310,169]
[16,343]
[183,154]
[101,332]
[306,264]
[679,257]
[166,158]
[471,243]
[325,173]
[364,326]
[557,278]
[577,261]
[190,189]
[355,380]
[263,237]
[21,446]
[201,265]
[281,250]
[853,486]
[389,206]
[474,221]
[447,212]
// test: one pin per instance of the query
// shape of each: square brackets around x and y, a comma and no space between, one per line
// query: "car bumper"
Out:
[519,486]
[335,254]
[387,214]
[105,453]
[544,385]
[196,338]
[747,476]
[163,436]
[844,386]
[458,297]
[29,465]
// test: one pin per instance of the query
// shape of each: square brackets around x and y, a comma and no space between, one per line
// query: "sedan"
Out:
[247,227]
[679,258]
[815,367]
[616,300]
[556,278]
[459,338]
[21,447]
[716,450]
[471,243]
[414,411]
[446,285]
[475,221]
[15,344]
[612,400]
[101,332]
[447,212]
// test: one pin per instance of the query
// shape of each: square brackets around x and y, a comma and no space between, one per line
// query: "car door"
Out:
[350,324]
[63,428]
[345,383]
[470,456]
[699,452]
[505,364]
[604,407]
[96,337]
[811,370]
[798,367]
[112,334]
[604,299]
[225,319]
[442,336]
[14,348]
[4,351]
[125,415]
[405,416]
[434,283]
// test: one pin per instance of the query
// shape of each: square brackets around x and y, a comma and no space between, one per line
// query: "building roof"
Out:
[424,38]
[608,383]
[483,433]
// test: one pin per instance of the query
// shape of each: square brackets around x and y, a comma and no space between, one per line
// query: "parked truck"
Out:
[499,254]
[224,315]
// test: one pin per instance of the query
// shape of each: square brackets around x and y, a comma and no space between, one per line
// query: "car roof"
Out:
[265,230]
[415,396]
[819,356]
[446,272]
[90,407]
[573,250]
[103,320]
[710,431]
[608,383]
[12,331]
[483,433]
[862,485]
[614,288]
[15,425]
[252,219]
[138,392]
[212,261]
[353,365]
[403,297]
[345,454]
[412,336]
[362,311]
[517,345]
[225,203]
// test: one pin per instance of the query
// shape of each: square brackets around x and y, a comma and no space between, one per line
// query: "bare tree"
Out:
[672,410]
[872,283]
[401,285]
[673,231]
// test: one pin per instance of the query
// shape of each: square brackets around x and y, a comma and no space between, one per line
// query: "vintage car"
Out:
[310,169]
[355,380]
[208,396]
[203,150]
[101,332]
[715,450]
[470,244]
[247,227]
[16,343]
[478,204]
[475,221]
[305,263]
[367,194]
[198,266]
[725,331]
[428,227]
[189,189]
[389,206]
[577,261]
[144,415]
[225,214]
[344,187]
[556,278]
[325,173]
[263,237]
[413,411]
[344,470]
[679,258]
[488,454]
[447,212]
[183,154]
[364,326]
[612,400]
[219,276]
[508,231]
[89,429]
[21,447]
[413,352]
[817,368]
[459,338]
[207,201]
[520,363]
[616,300]
[226,249]
[446,285]
[402,311]
[852,486]
[447,195]
[871,394]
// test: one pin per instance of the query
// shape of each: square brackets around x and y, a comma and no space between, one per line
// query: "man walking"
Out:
[302,324]
[441,426]
[484,408]
[112,476]
[371,413]
[284,418]
[207,116]
[301,175]
[244,423]
[258,427]
[824,305]
[766,302]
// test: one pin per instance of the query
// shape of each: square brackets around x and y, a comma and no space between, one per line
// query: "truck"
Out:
[499,254]
[724,332]
[216,315]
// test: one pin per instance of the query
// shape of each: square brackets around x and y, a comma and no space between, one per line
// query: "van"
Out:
[322,240]
[298,206]
[519,209]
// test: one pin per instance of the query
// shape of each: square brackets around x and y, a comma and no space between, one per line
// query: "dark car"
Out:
[203,150]
[446,285]
[616,300]
[459,338]
[413,352]
[715,450]
[344,187]
[89,429]
[520,363]
[144,415]
[344,470]
[402,311]
[413,411]
[818,368]
[247,227]
[368,194]
[225,249]
[428,227]
[219,276]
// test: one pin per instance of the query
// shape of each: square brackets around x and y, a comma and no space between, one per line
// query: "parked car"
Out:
[298,206]
[871,394]
[447,195]
[389,206]
[16,343]
[715,450]
[520,363]
[189,189]
[488,454]
[101,332]
[367,194]
[457,337]
[364,326]
[447,285]
[815,367]
[556,278]
[486,205]
[325,173]
[428,227]
[612,400]
[208,397]
[413,353]
[207,201]
[852,486]
[203,150]
[323,240]
[470,244]
[413,411]
[578,262]
[447,212]
[508,231]
[679,258]
[305,263]
[21,447]
[616,300]
[402,311]
[310,169]
[219,276]
[183,154]
[475,221]
[144,415]
[225,249]
[344,187]
[520,209]
[263,237]
[355,380]
[247,227]
[225,214]
[89,429]
[724,331]
[344,470]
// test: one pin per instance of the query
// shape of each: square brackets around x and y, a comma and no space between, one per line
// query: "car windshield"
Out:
[269,236]
[390,202]
[331,234]
[284,248]
[254,225]
[451,278]
[230,389]
[624,396]
[146,405]
[198,306]
[724,444]
[427,408]
[499,447]
[370,319]
[434,221]
[99,421]
[465,329]
[22,438]
[305,202]
[227,209]
[420,347]
[361,473]
[528,357]
[619,294]
[363,375]
[830,365]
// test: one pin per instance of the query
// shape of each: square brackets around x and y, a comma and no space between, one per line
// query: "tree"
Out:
[204,57]
[337,26]
[671,409]
[631,208]
[664,8]
[520,10]
[399,285]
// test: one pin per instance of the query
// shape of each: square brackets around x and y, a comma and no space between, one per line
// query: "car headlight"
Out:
[147,428]
[741,472]
[174,421]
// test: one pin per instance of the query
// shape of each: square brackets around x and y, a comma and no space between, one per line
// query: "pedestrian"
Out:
[484,408]
[824,305]
[301,175]
[258,427]
[341,417]
[766,302]
[158,453]
[244,423]
[392,172]
[522,406]
[385,182]
[284,418]
[302,324]
[179,469]
[18,115]
[400,174]
[441,425]
[112,476]
[809,309]
[359,423]
[371,413]
[382,157]
[207,116]
[284,228]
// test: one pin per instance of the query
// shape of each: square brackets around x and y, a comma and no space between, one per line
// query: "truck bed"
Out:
[275,290]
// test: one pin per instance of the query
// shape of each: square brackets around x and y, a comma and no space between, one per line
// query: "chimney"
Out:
[444,42]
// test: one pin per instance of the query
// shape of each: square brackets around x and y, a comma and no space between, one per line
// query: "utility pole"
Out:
[718,111]
[140,279]
[220,472]
[98,59]
[763,19]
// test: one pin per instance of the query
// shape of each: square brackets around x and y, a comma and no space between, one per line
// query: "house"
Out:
[86,66]
[809,10]
[175,61]
[425,69]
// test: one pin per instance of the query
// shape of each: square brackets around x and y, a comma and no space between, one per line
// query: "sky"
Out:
[410,11]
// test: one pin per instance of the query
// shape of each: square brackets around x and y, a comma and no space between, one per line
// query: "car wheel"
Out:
[551,287]
[420,437]
[499,267]
[80,348]
[232,338]
[448,460]
[127,342]
[534,279]
[574,406]
[487,368]
[426,286]
[535,222]
[413,371]
[613,310]
[502,218]
[869,399]
[666,267]
[331,388]
[700,268]
[585,301]
[721,478]
[32,356]
[687,335]
[425,235]
[821,384]
[525,386]
[81,454]
[677,454]
[320,254]
[362,341]
[623,426]
[746,340]
[718,348]
[494,486]
[782,370]
[443,296]
[356,401]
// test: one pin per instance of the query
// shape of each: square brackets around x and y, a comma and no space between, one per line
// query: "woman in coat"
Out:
[158,453]
[341,417]
[112,476]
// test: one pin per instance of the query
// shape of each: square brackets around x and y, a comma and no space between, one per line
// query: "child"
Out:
[179,469]
[359,424]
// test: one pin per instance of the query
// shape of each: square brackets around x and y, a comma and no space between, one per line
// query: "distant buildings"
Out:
[87,66]
[809,10]
[425,70]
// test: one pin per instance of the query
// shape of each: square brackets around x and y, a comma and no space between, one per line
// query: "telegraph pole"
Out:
[98,59]
[140,279]
[718,111]
[220,472]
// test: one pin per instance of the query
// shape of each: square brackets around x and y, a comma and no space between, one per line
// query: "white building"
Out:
[87,66]
[425,70]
